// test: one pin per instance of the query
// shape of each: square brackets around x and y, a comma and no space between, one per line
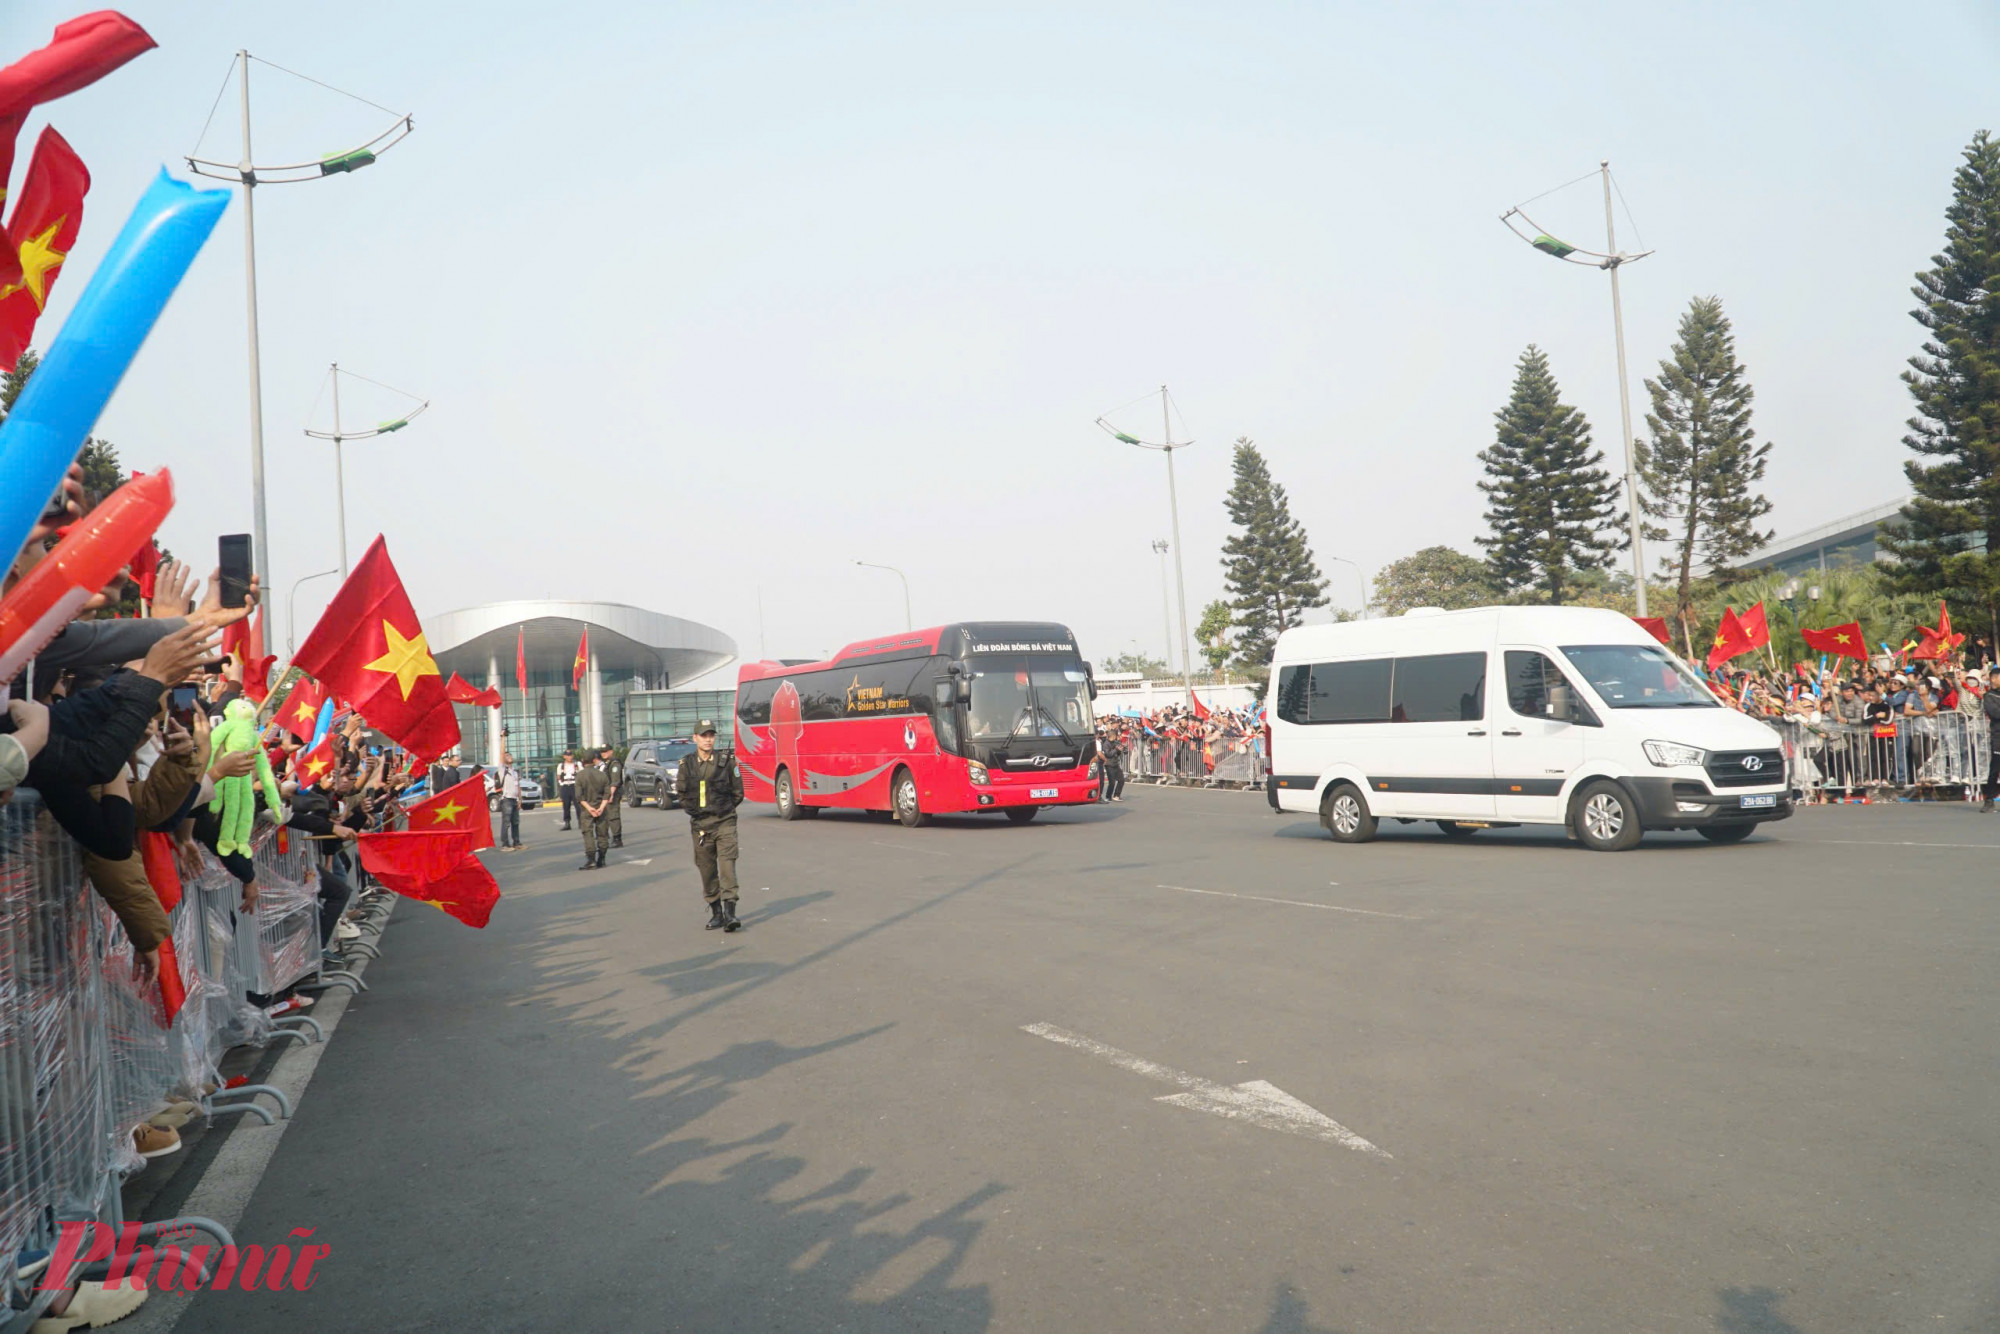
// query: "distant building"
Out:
[1844,543]
[635,655]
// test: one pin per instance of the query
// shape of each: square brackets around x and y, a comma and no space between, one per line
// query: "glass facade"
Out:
[664,714]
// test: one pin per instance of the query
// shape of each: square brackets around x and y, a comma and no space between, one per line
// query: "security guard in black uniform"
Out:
[614,770]
[710,788]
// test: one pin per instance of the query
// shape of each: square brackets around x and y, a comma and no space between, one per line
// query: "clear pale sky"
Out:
[711,298]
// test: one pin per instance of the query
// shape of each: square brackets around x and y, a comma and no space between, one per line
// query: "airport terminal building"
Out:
[637,658]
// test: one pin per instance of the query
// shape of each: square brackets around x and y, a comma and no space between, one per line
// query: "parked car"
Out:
[651,767]
[531,792]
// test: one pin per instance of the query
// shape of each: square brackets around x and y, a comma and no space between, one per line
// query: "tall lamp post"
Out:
[1167,445]
[1166,608]
[908,623]
[1362,576]
[1610,259]
[339,437]
[291,601]
[245,171]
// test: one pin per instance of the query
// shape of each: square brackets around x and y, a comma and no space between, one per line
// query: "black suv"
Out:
[650,769]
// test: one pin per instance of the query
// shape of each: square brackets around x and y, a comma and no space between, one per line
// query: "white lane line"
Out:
[1890,843]
[1294,903]
[904,847]
[1255,1101]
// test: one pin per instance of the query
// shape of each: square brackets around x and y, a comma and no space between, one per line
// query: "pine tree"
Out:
[1267,565]
[1551,501]
[1948,539]
[1699,465]
[14,381]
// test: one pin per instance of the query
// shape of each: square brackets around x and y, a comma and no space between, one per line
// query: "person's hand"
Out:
[31,724]
[146,967]
[234,764]
[185,650]
[187,855]
[175,743]
[173,589]
[250,897]
[345,833]
[214,614]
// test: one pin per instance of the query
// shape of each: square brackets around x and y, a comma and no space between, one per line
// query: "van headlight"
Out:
[1674,755]
[976,771]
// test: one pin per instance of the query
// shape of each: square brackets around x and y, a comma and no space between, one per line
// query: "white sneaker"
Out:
[91,1306]
[346,930]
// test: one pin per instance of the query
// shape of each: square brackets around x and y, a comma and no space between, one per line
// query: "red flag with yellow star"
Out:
[300,712]
[462,808]
[437,868]
[316,765]
[1840,641]
[463,691]
[1731,640]
[369,648]
[42,230]
[576,669]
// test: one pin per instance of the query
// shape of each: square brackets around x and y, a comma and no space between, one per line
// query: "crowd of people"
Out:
[1180,742]
[114,725]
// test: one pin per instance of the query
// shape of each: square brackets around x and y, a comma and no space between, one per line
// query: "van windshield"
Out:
[1639,676]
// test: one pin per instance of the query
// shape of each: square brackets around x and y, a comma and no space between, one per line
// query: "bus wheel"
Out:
[1023,814]
[907,808]
[788,800]
[1346,815]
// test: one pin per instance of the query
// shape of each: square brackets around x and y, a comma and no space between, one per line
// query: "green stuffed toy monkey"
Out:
[234,799]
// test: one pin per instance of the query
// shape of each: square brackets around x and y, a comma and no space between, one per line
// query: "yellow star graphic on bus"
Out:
[408,660]
[448,813]
[38,256]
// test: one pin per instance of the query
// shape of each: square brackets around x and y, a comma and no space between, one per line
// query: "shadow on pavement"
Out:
[1752,1311]
[1291,1315]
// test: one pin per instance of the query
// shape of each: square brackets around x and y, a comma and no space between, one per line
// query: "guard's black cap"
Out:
[705,725]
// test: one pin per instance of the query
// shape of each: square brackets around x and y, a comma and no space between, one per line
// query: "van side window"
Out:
[1440,688]
[1530,676]
[1292,694]
[1349,692]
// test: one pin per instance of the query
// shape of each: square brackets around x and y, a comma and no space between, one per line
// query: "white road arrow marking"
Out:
[1257,1102]
[637,861]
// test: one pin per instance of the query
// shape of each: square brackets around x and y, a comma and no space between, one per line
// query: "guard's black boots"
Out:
[1986,806]
[617,840]
[716,917]
[729,922]
[600,856]
[589,863]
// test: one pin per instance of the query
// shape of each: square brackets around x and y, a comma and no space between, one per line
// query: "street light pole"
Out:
[1361,575]
[259,527]
[339,438]
[1166,609]
[908,622]
[291,623]
[1624,396]
[1180,574]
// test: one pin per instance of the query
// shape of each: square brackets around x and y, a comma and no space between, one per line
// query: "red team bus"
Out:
[979,716]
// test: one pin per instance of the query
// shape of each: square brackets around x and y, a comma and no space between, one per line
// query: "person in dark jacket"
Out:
[1990,706]
[710,788]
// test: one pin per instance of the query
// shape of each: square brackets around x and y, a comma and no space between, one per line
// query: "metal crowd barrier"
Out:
[1934,756]
[1232,760]
[87,1053]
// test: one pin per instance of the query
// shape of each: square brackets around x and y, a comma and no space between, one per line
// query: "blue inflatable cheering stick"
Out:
[117,310]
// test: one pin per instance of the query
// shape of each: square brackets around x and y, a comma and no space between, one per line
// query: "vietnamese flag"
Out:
[300,714]
[315,764]
[369,647]
[1656,626]
[462,807]
[462,691]
[437,868]
[1843,641]
[40,233]
[1937,643]
[1200,709]
[244,641]
[582,660]
[1731,640]
[156,856]
[521,659]
[1754,627]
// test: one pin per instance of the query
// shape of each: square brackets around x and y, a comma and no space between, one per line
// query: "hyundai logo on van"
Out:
[1753,762]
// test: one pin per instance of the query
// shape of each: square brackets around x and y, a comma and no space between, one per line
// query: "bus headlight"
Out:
[1672,754]
[977,773]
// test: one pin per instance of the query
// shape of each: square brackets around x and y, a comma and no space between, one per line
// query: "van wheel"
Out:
[1725,833]
[788,800]
[1454,830]
[904,788]
[1346,816]
[1604,818]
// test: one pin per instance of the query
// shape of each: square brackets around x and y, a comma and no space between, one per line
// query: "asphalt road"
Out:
[1747,1089]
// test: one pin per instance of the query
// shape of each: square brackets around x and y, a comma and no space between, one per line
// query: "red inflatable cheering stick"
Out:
[96,548]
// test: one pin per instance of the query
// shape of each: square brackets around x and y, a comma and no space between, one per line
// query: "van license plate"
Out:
[1040,793]
[1763,801]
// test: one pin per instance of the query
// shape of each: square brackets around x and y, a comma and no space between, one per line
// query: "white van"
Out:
[1505,716]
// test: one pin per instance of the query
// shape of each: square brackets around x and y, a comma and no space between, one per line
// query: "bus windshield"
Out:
[1028,697]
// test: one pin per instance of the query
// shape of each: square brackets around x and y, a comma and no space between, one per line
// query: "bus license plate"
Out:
[1763,801]
[1041,793]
